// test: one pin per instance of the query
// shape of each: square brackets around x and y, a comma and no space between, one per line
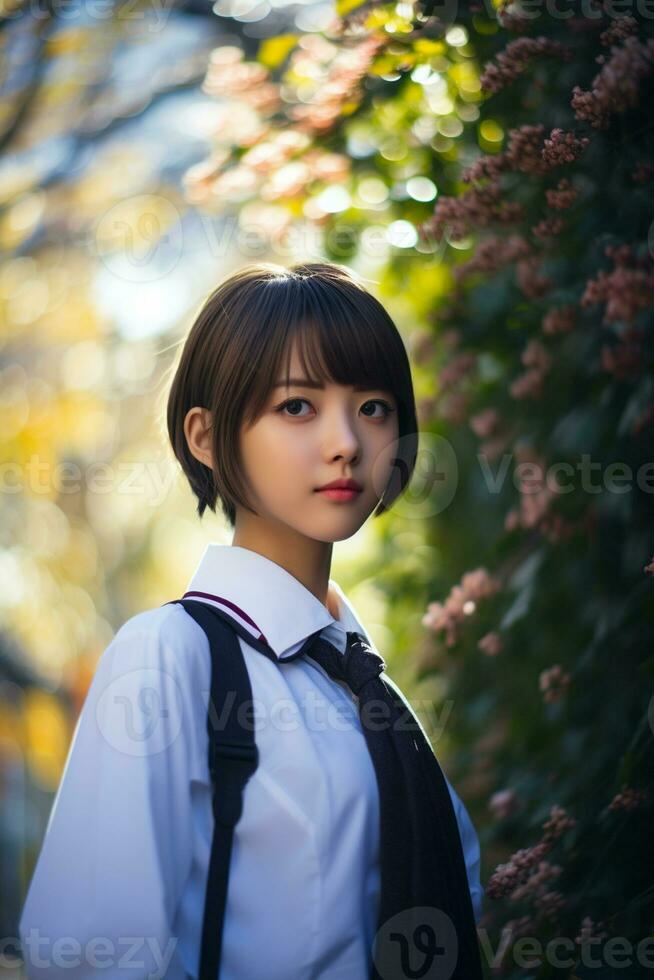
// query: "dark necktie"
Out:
[426,925]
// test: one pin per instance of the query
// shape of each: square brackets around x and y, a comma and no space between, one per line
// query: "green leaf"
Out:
[626,770]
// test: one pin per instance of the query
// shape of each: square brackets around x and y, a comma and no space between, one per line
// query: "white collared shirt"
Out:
[122,872]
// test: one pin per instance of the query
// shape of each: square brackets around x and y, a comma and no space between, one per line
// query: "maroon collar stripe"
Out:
[223,603]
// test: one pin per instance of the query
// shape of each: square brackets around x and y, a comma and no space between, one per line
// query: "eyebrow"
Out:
[308,383]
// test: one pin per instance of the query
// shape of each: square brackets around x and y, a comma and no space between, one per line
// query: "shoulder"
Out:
[164,638]
[149,686]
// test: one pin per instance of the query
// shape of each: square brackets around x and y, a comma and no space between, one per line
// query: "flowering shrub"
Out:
[514,151]
[556,292]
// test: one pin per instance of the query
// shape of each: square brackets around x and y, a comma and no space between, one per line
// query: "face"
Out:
[307,437]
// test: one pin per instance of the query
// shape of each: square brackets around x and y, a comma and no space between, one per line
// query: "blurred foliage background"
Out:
[488,169]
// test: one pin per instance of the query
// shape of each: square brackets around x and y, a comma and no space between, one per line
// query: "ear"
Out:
[198,432]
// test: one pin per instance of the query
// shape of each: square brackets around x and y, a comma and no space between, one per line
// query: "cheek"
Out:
[383,445]
[254,453]
[271,451]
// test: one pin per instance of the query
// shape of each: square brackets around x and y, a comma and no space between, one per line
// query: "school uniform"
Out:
[127,846]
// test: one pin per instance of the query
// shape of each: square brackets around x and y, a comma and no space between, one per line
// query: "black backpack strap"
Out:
[233,757]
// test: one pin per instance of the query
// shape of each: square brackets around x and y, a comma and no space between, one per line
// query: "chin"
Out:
[332,531]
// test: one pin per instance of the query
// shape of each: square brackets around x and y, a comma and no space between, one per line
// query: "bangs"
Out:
[337,341]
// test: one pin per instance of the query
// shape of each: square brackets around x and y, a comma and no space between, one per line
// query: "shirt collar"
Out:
[268,602]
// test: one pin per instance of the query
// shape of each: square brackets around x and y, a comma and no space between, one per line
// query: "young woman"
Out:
[291,381]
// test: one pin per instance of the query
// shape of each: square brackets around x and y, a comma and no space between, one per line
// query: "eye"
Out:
[292,401]
[387,408]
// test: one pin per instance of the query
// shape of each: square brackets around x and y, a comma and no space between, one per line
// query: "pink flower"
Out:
[626,290]
[503,803]
[491,644]
[228,74]
[559,821]
[479,584]
[562,147]
[270,153]
[621,28]
[489,165]
[516,57]
[548,227]
[527,385]
[525,149]
[529,152]
[423,345]
[484,423]
[523,154]
[555,528]
[532,284]
[536,884]
[562,196]
[561,319]
[590,930]
[523,926]
[554,683]
[536,356]
[426,408]
[493,254]
[492,448]
[461,602]
[627,799]
[508,876]
[512,20]
[451,338]
[623,360]
[478,207]
[617,86]
[534,506]
[512,520]
[459,367]
[550,904]
[454,407]
[338,71]
[328,166]
[535,494]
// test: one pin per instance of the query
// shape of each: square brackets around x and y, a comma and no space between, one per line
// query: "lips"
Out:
[339,494]
[342,485]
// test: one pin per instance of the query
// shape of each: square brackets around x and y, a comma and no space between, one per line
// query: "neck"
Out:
[307,560]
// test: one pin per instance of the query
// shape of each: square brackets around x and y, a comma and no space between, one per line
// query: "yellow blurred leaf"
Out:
[377,18]
[465,75]
[48,735]
[383,65]
[274,50]
[426,46]
[8,8]
[63,42]
[343,7]
[390,20]
[348,108]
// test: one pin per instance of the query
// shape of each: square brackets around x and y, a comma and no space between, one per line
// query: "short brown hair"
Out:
[234,349]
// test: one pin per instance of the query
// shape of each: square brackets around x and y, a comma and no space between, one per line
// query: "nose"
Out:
[341,438]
